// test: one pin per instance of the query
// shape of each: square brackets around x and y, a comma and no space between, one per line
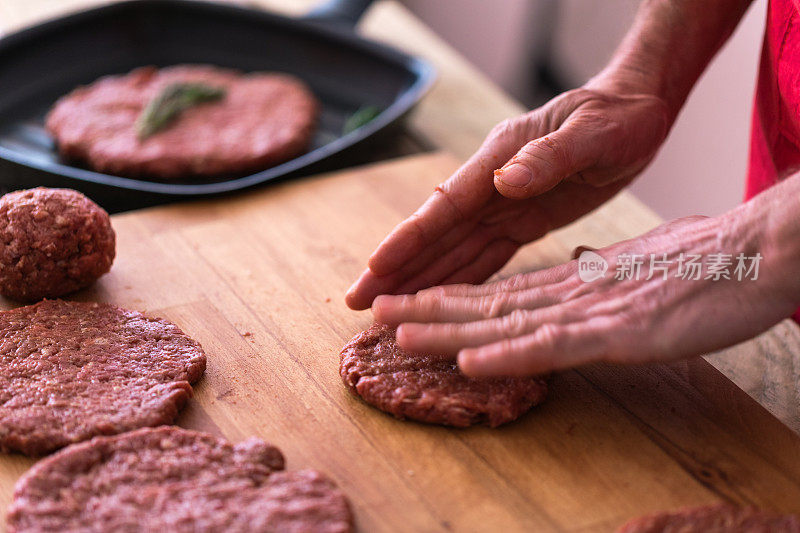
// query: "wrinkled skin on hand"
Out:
[533,173]
[549,320]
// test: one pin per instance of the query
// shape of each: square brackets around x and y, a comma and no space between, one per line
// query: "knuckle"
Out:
[504,129]
[486,307]
[583,98]
[514,283]
[548,150]
[599,120]
[493,306]
[515,323]
[544,145]
[540,296]
[579,95]
[549,336]
[429,305]
[432,292]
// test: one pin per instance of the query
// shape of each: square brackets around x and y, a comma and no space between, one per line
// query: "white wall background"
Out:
[703,165]
[701,168]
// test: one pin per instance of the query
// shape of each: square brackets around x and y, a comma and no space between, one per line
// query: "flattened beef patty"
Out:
[263,119]
[70,371]
[714,519]
[430,389]
[172,479]
[52,242]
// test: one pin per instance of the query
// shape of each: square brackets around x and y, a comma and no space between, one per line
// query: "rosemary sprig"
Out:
[167,105]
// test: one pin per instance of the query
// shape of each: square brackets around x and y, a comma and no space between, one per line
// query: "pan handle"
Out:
[343,13]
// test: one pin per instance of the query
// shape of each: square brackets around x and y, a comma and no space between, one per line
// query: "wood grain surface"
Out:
[456,115]
[258,280]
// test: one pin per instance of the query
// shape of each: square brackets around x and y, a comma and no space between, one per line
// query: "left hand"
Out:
[549,320]
[571,155]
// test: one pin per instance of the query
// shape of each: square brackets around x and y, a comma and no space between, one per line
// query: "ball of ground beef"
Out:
[52,242]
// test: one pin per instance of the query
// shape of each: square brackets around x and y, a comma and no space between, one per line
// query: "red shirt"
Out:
[775,138]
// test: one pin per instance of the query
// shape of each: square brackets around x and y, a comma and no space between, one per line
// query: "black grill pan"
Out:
[345,71]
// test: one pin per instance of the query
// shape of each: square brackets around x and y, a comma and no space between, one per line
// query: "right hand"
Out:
[533,173]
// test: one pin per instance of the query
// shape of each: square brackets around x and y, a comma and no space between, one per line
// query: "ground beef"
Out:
[70,371]
[430,389]
[175,480]
[714,519]
[52,242]
[263,119]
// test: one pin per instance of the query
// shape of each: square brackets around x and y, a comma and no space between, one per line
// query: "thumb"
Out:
[544,162]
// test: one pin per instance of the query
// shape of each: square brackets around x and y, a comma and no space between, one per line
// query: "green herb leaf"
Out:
[165,107]
[364,115]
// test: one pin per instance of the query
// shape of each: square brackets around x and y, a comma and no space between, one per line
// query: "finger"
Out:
[483,262]
[467,244]
[549,348]
[426,308]
[449,339]
[561,206]
[447,263]
[545,162]
[452,203]
[366,288]
[416,233]
[518,282]
[493,258]
[558,204]
[576,253]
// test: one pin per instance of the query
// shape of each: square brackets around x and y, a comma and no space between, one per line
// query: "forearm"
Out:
[770,224]
[668,47]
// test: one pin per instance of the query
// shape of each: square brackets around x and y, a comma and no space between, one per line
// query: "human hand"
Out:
[549,320]
[533,173]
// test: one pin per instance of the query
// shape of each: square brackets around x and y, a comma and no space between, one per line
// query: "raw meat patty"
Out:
[52,242]
[714,519]
[430,389]
[175,480]
[70,371]
[263,119]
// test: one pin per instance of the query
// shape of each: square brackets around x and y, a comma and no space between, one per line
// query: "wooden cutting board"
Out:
[258,279]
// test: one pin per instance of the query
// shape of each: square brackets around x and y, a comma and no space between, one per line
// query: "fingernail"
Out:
[409,330]
[401,333]
[408,333]
[384,307]
[466,362]
[514,175]
[379,301]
